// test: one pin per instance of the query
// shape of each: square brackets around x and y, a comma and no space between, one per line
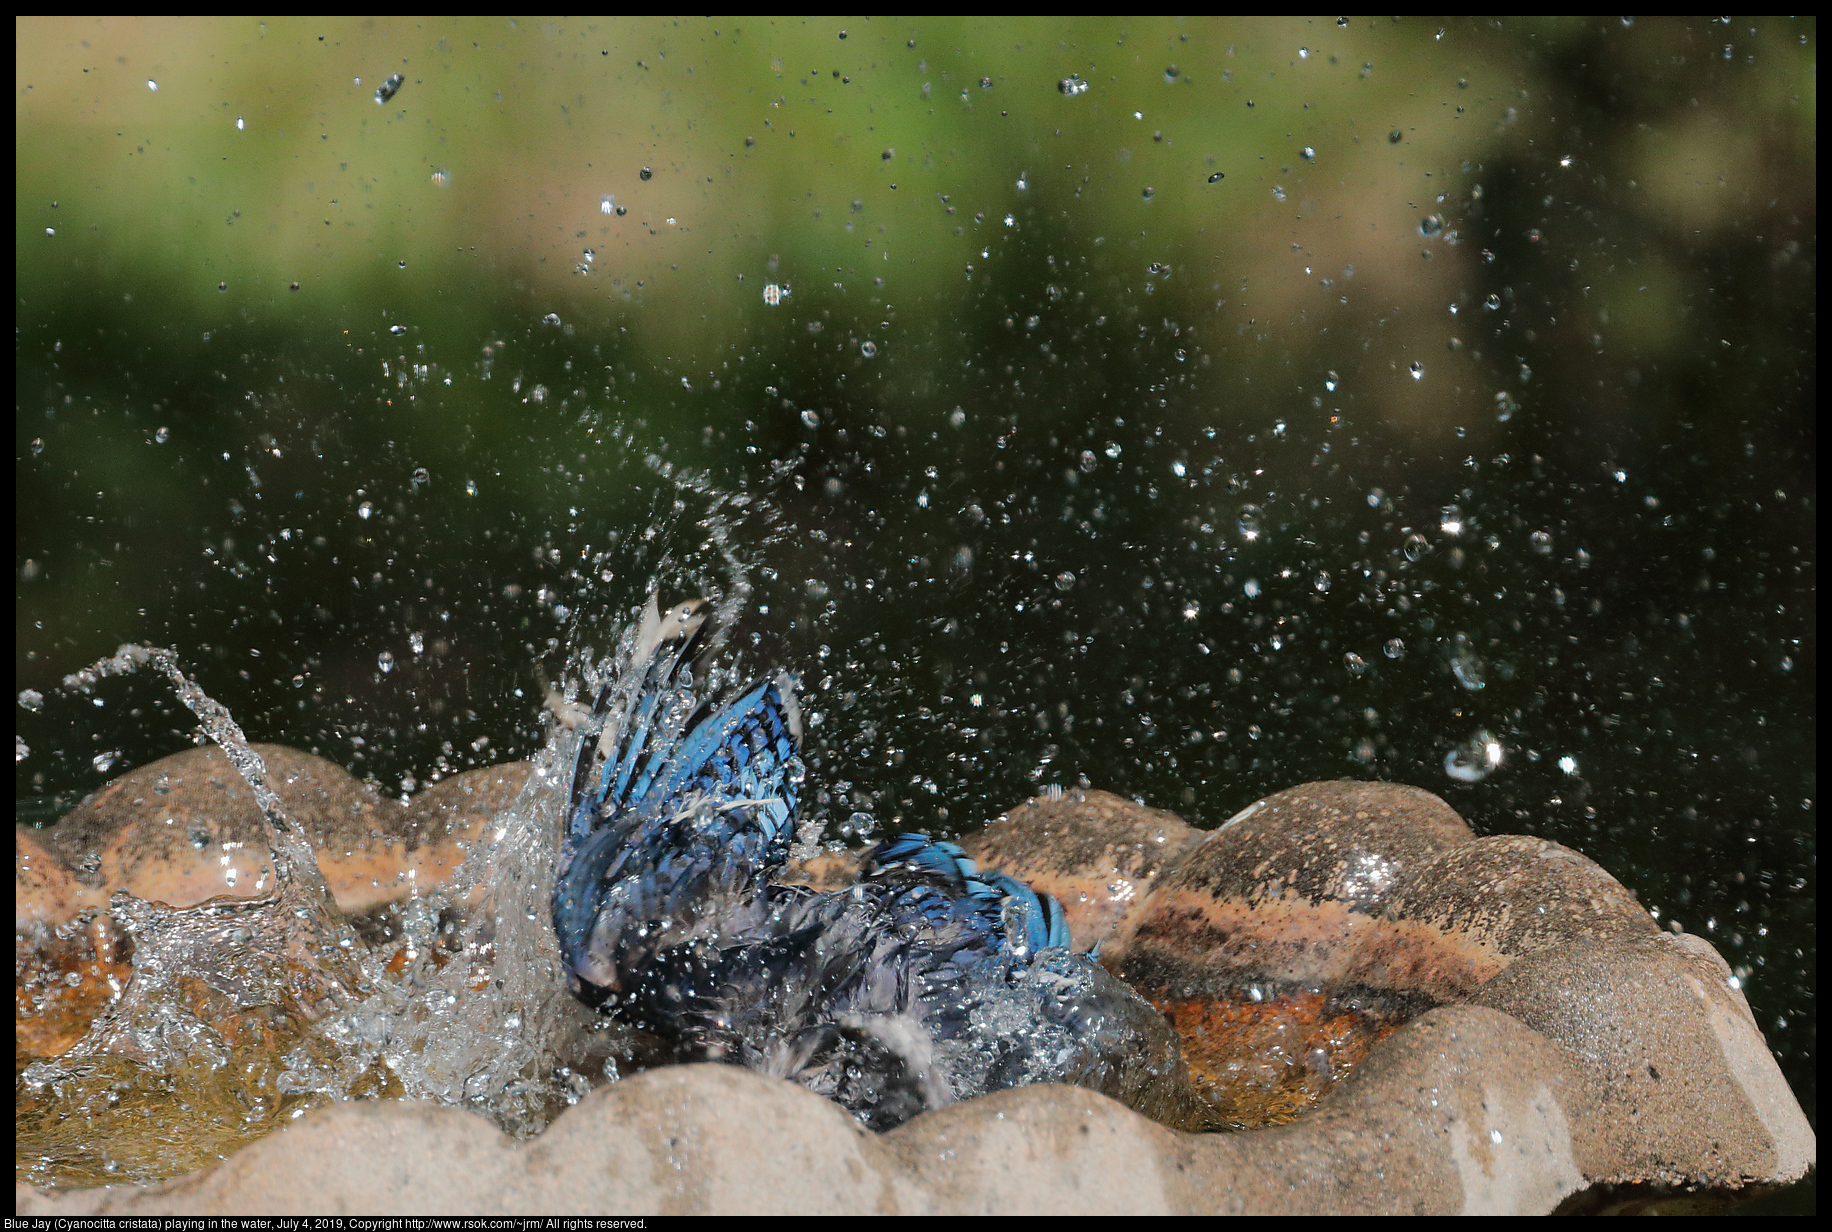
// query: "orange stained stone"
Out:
[1266,1062]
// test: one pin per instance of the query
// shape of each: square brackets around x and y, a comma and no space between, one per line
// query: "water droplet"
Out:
[1417,370]
[1249,522]
[606,204]
[385,661]
[1065,581]
[1278,192]
[421,476]
[1467,666]
[1431,226]
[397,330]
[162,435]
[1416,547]
[1395,137]
[868,348]
[1150,192]
[957,417]
[1394,648]
[1172,72]
[1321,582]
[645,174]
[104,761]
[1474,759]
[1072,85]
[152,85]
[774,295]
[1505,406]
[1308,153]
[811,418]
[1357,665]
[1217,176]
[389,88]
[240,124]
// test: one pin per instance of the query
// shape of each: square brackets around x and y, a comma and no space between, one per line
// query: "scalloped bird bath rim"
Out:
[1416,1019]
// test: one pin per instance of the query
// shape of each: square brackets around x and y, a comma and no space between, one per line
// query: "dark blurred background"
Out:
[1192,409]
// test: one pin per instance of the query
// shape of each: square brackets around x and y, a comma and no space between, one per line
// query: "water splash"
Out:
[925,983]
[243,1013]
[218,990]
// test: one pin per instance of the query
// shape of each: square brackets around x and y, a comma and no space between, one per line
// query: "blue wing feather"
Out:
[874,996]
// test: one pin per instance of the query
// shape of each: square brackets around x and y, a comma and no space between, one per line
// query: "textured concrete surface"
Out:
[185,828]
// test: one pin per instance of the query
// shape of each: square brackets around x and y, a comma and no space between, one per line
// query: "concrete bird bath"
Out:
[1397,1015]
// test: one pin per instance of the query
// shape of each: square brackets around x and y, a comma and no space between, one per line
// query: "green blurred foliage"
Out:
[755,151]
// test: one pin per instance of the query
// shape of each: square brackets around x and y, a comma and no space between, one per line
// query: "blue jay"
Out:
[927,982]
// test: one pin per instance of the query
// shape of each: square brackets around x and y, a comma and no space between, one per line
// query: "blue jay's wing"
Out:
[927,982]
[626,738]
[1015,914]
[745,756]
[678,814]
[1034,919]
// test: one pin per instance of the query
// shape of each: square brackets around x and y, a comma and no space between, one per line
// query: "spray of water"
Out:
[244,1012]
